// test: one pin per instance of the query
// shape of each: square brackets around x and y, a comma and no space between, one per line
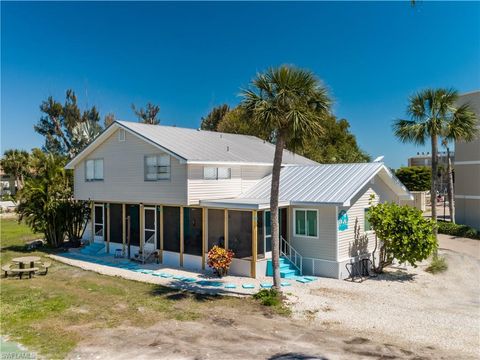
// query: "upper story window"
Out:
[216,173]
[157,167]
[306,223]
[94,170]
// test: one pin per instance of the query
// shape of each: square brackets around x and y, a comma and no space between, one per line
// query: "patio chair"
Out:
[45,265]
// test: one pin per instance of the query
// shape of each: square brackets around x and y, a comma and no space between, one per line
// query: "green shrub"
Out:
[438,265]
[458,230]
[272,298]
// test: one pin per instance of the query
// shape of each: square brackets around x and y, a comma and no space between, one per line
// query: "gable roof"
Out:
[332,184]
[199,146]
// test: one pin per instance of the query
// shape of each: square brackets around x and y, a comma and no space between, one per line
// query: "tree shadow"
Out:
[395,276]
[178,290]
[296,356]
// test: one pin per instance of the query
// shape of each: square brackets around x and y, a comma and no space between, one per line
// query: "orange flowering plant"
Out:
[219,259]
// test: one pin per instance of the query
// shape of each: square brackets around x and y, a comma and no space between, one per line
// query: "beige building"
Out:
[425,159]
[467,172]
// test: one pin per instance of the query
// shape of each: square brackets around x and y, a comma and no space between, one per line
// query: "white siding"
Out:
[242,178]
[346,243]
[323,247]
[124,175]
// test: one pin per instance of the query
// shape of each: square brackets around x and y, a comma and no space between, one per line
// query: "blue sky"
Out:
[189,57]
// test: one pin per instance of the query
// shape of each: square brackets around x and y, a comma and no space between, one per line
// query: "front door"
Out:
[149,229]
[98,223]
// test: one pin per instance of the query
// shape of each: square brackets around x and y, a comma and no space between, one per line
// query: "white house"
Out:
[181,191]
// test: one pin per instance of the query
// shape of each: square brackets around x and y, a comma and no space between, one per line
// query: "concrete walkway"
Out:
[461,245]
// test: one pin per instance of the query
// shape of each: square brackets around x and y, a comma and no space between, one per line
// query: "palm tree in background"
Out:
[291,103]
[434,115]
[15,163]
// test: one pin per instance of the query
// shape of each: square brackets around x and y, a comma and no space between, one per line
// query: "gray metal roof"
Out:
[207,146]
[324,184]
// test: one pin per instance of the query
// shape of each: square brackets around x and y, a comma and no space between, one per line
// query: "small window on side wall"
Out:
[121,135]
[366,224]
[94,170]
[306,223]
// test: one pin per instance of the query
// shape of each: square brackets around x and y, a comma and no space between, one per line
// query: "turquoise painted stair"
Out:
[287,269]
[92,249]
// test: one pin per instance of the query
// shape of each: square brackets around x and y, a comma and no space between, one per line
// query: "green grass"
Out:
[51,314]
[438,265]
[274,300]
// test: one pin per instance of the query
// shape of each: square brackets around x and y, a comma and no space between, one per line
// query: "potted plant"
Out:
[219,259]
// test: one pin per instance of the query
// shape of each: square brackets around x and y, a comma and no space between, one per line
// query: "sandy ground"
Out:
[405,314]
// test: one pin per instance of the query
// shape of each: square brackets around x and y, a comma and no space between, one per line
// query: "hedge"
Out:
[458,230]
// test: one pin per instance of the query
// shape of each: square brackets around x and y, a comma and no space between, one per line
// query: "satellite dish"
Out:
[379,159]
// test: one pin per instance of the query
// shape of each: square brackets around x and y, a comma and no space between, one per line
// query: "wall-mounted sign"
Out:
[342,220]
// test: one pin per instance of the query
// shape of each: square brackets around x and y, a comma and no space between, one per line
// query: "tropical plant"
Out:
[15,163]
[404,234]
[291,104]
[415,178]
[211,121]
[147,115]
[220,259]
[434,114]
[61,125]
[77,214]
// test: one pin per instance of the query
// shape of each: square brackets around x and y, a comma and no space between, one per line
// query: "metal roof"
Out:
[208,146]
[325,184]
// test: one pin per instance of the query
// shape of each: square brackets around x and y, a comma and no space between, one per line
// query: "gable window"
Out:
[157,167]
[121,135]
[216,173]
[94,170]
[306,223]
[366,224]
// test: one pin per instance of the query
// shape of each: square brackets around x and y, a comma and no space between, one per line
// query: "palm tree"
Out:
[15,163]
[291,103]
[434,115]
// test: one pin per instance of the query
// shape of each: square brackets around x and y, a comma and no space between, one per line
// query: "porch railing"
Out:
[291,254]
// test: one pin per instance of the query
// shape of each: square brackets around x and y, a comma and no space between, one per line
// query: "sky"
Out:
[188,57]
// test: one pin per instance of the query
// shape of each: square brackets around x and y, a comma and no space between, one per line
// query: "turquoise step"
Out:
[288,274]
[287,269]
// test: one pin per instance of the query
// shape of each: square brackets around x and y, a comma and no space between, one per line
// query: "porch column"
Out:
[204,235]
[161,233]
[181,235]
[124,228]
[225,227]
[92,220]
[107,217]
[253,269]
[142,231]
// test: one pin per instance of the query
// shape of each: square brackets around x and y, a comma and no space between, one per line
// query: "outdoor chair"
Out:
[45,265]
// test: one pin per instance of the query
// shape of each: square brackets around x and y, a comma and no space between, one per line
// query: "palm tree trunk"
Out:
[451,200]
[433,189]
[277,164]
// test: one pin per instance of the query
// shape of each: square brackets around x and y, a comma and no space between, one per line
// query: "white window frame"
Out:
[216,168]
[95,176]
[157,156]
[306,223]
[121,135]
[365,219]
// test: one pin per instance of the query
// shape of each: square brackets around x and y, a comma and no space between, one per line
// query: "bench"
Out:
[6,269]
[20,272]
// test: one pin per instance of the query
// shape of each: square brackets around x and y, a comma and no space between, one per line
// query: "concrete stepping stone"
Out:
[179,277]
[303,280]
[285,284]
[266,285]
[189,280]
[166,276]
[248,286]
[230,286]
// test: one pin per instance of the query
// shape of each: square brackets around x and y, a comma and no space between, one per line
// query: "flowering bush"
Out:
[219,260]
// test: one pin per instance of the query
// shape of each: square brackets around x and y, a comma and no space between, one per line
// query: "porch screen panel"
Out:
[240,233]
[134,212]
[98,219]
[171,228]
[260,234]
[192,231]
[216,228]
[116,228]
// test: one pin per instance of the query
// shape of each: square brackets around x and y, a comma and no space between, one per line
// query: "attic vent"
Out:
[228,148]
[121,135]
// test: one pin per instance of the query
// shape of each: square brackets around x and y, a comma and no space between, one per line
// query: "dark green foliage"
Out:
[273,299]
[405,234]
[438,265]
[67,130]
[149,115]
[458,230]
[77,214]
[415,178]
[15,163]
[211,121]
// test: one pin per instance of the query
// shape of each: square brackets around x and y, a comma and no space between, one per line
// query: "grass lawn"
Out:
[51,314]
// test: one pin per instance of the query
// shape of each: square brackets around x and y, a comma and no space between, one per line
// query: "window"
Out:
[214,173]
[121,135]
[366,223]
[157,167]
[306,223]
[94,170]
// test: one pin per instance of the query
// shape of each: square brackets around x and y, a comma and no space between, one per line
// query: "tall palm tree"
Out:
[291,103]
[434,115]
[15,163]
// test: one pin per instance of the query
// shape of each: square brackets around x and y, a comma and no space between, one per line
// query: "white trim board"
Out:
[471,162]
[468,197]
